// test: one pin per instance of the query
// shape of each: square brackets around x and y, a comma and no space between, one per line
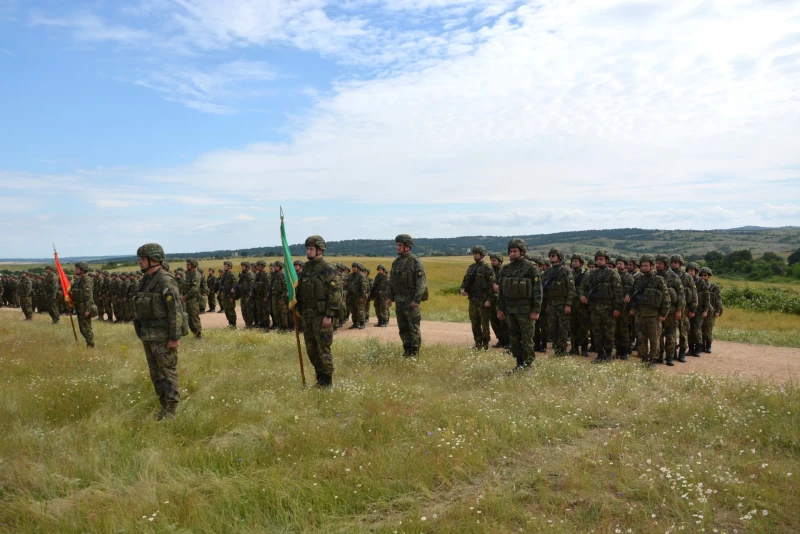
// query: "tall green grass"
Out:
[444,443]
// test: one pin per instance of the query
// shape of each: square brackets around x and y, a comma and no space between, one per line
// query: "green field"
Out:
[447,443]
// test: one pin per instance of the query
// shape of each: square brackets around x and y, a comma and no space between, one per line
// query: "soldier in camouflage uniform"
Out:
[227,293]
[115,314]
[190,297]
[318,302]
[366,272]
[408,287]
[82,294]
[579,318]
[244,291]
[650,305]
[211,282]
[500,327]
[25,292]
[203,291]
[357,293]
[380,292]
[700,313]
[279,298]
[343,272]
[690,304]
[261,284]
[540,333]
[602,291]
[98,294]
[107,302]
[477,285]
[51,294]
[159,324]
[677,299]
[633,270]
[519,301]
[622,338]
[715,309]
[558,291]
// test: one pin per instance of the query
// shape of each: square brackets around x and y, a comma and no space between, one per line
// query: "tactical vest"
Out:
[311,294]
[604,290]
[149,304]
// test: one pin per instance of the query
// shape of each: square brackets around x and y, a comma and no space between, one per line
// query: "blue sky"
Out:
[190,122]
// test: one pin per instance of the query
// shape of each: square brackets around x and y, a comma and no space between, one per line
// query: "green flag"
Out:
[291,274]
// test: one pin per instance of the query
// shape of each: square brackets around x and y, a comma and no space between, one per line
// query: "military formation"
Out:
[654,305]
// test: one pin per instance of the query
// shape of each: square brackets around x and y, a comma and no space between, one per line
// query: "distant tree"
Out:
[794,257]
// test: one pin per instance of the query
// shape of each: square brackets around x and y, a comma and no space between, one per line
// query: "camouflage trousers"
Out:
[708,328]
[163,366]
[85,326]
[500,327]
[26,303]
[55,313]
[101,307]
[262,311]
[668,335]
[356,311]
[193,311]
[280,313]
[540,333]
[558,328]
[318,340]
[683,330]
[622,336]
[479,317]
[248,307]
[632,329]
[520,330]
[341,317]
[648,333]
[365,310]
[602,321]
[381,309]
[109,305]
[408,320]
[229,305]
[579,325]
[127,307]
[212,301]
[696,328]
[203,302]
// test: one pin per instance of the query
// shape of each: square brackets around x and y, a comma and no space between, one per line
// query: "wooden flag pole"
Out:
[64,290]
[299,350]
[72,322]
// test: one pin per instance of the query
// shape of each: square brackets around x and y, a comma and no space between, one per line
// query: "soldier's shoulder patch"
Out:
[535,278]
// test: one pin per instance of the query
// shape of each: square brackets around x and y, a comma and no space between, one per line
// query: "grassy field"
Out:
[446,443]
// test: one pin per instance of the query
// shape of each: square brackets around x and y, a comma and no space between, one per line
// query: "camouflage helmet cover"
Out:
[496,256]
[579,257]
[193,262]
[663,258]
[106,273]
[602,253]
[298,262]
[634,260]
[479,249]
[693,265]
[262,263]
[519,244]
[382,266]
[647,258]
[316,241]
[245,263]
[83,266]
[558,252]
[706,270]
[405,239]
[621,258]
[154,251]
[165,265]
[590,261]
[228,263]
[677,257]
[278,264]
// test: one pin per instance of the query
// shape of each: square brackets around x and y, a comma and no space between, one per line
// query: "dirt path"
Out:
[779,364]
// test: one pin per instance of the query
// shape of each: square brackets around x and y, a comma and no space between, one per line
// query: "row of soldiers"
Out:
[610,302]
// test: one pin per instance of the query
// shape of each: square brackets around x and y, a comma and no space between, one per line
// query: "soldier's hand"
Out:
[414,305]
[567,309]
[627,298]
[501,315]
[496,288]
[361,301]
[487,304]
[678,315]
[86,314]
[534,316]
[661,319]
[691,314]
[584,300]
[631,313]
[326,321]
[705,314]
[183,299]
[389,303]
[173,345]
[716,314]
[616,313]
[463,293]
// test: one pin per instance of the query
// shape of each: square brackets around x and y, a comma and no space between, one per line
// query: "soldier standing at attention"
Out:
[477,285]
[602,291]
[357,292]
[519,302]
[633,270]
[649,304]
[159,324]
[25,293]
[701,312]
[279,296]
[318,302]
[690,303]
[407,287]
[669,327]
[380,292]
[51,293]
[190,297]
[227,293]
[98,294]
[715,309]
[500,327]
[246,280]
[366,272]
[211,282]
[82,295]
[558,293]
[579,318]
[203,291]
[622,337]
[540,334]
[260,294]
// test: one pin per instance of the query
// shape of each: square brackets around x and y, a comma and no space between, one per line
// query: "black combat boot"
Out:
[707,347]
[499,344]
[623,356]
[670,358]
[600,358]
[361,326]
[682,355]
[573,349]
[353,326]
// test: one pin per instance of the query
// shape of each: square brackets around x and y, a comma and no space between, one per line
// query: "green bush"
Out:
[762,299]
[450,290]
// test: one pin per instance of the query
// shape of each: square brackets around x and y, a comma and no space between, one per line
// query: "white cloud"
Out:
[245,217]
[112,203]
[89,27]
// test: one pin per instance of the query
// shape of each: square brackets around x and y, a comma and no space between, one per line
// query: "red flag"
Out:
[64,280]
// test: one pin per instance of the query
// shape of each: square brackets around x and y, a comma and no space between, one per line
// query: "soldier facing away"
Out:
[227,293]
[380,292]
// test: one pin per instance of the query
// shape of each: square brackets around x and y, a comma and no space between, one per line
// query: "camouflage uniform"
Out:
[342,315]
[633,270]
[50,293]
[25,292]
[579,318]
[357,293]
[261,284]
[82,295]
[559,292]
[318,296]
[190,296]
[477,284]
[244,290]
[211,282]
[227,291]
[500,327]
[279,298]
[159,319]
[133,284]
[540,327]
[379,295]
[407,286]
[602,287]
[520,296]
[703,306]
[649,301]
[690,304]
[622,338]
[368,296]
[98,295]
[677,299]
[715,310]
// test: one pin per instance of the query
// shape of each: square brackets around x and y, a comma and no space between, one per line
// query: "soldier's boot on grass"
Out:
[682,355]
[670,358]
[707,347]
[499,345]
[601,357]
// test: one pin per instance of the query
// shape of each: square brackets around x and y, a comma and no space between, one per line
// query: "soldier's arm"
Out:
[681,295]
[619,293]
[571,290]
[193,289]
[333,290]
[536,280]
[422,280]
[665,300]
[174,315]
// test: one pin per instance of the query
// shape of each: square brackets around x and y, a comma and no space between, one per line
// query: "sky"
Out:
[191,122]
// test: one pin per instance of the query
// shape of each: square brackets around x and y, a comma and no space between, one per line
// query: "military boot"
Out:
[573,349]
[600,358]
[694,350]
[670,359]
[406,350]
[361,326]
[682,355]
[623,356]
[585,350]
[660,358]
[353,326]
[707,347]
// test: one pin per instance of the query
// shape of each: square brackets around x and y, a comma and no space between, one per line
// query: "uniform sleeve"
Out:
[665,300]
[333,290]
[421,279]
[692,304]
[538,294]
[174,310]
[570,281]
[192,287]
[465,279]
[619,294]
[584,289]
[681,295]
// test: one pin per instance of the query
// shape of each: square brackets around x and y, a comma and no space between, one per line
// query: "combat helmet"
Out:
[706,270]
[382,266]
[519,243]
[316,241]
[693,265]
[228,263]
[649,258]
[164,265]
[633,259]
[278,264]
[623,258]
[578,256]
[496,256]
[664,259]
[405,239]
[193,262]
[154,251]
[677,257]
[82,265]
[262,263]
[590,261]
[558,252]
[479,249]
[245,263]
[602,253]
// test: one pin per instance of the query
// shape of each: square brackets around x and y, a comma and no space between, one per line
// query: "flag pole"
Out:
[69,304]
[296,321]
